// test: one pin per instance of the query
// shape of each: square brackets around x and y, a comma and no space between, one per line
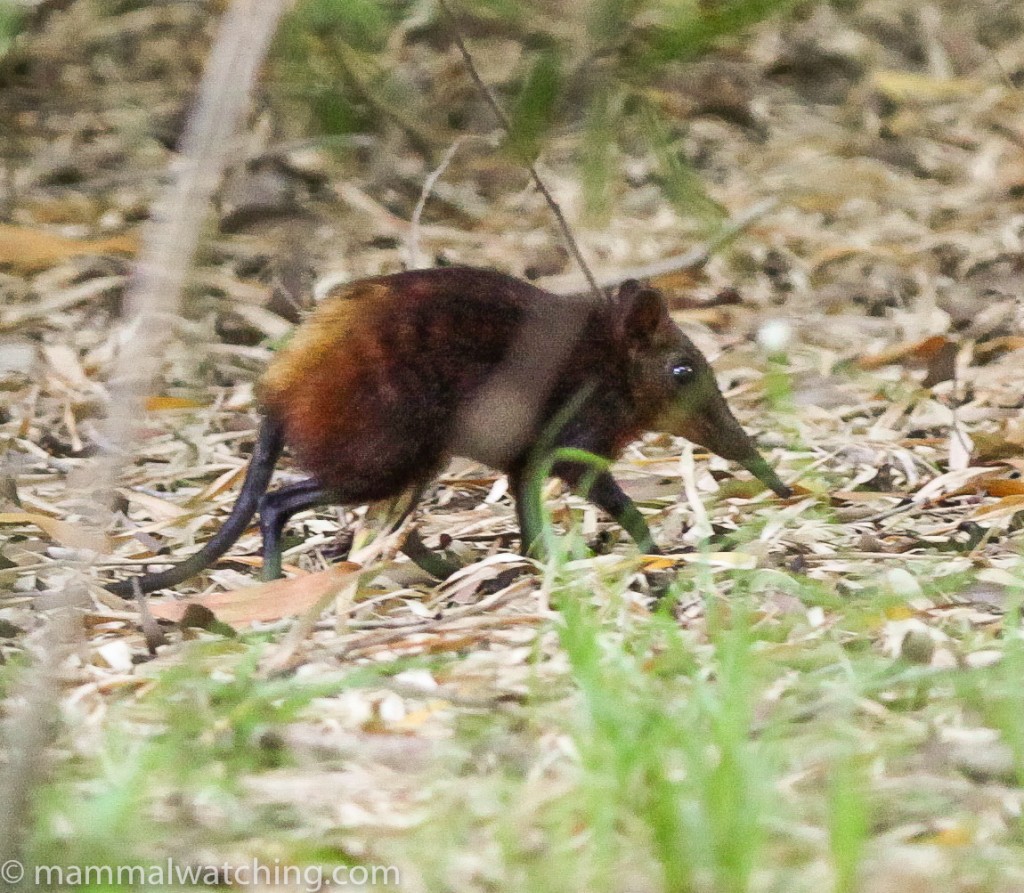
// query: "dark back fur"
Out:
[371,387]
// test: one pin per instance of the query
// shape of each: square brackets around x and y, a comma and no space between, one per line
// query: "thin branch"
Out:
[692,259]
[506,125]
[413,241]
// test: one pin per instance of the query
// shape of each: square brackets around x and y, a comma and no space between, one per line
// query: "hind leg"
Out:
[414,548]
[413,494]
[276,507]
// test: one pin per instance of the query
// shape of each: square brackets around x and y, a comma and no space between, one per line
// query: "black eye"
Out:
[682,372]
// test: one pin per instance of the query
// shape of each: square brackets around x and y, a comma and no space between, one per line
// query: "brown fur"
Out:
[370,387]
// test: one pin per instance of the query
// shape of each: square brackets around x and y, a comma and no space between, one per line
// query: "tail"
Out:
[269,444]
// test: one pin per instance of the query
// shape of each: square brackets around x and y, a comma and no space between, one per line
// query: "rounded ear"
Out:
[641,310]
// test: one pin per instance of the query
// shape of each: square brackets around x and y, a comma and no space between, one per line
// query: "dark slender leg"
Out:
[427,559]
[606,494]
[276,507]
[528,511]
[414,548]
[415,494]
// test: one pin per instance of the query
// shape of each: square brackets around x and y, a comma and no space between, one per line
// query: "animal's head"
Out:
[674,386]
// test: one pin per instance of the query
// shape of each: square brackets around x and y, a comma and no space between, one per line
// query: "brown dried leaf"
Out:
[158,509]
[263,602]
[916,352]
[25,249]
[1006,507]
[909,86]
[941,364]
[67,533]
[164,404]
[1005,487]
[994,347]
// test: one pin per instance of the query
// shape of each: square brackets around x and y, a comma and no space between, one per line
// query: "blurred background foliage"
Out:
[587,73]
[11,19]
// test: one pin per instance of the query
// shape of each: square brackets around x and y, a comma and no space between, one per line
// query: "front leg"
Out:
[606,494]
[529,511]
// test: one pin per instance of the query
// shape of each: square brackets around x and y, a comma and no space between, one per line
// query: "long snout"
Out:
[714,427]
[760,469]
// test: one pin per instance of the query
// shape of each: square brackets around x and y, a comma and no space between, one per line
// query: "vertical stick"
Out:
[172,236]
[503,120]
[169,249]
